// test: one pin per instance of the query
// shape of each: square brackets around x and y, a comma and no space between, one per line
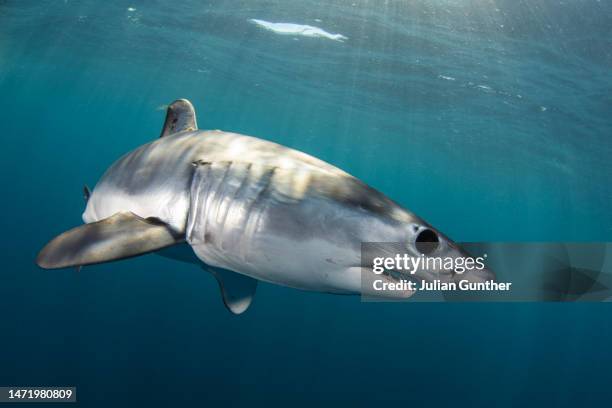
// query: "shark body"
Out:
[251,210]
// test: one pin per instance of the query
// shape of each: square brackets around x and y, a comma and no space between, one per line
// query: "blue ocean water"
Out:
[490,119]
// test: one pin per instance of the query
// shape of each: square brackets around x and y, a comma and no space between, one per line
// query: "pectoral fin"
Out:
[237,290]
[122,235]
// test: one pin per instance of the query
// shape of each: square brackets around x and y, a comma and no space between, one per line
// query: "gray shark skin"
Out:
[249,209]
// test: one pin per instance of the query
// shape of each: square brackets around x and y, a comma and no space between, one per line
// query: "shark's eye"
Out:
[427,241]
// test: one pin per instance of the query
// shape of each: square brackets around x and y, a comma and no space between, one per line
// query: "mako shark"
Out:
[249,210]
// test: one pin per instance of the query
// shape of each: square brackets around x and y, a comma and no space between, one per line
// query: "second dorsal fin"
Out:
[180,117]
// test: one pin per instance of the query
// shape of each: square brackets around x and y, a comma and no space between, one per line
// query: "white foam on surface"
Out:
[298,30]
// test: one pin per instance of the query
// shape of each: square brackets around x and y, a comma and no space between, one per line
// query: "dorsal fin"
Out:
[180,117]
